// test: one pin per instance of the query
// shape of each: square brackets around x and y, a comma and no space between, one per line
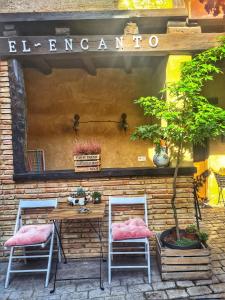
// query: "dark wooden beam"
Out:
[104,173]
[9,30]
[181,27]
[62,31]
[171,43]
[89,65]
[18,105]
[210,22]
[90,15]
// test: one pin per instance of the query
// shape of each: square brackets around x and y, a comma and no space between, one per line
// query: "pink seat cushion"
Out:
[135,222]
[29,235]
[130,229]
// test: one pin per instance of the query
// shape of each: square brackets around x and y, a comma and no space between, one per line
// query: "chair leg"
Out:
[59,249]
[109,263]
[149,264]
[146,254]
[50,258]
[24,253]
[9,268]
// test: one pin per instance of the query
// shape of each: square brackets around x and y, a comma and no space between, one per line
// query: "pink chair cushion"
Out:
[130,229]
[135,222]
[29,235]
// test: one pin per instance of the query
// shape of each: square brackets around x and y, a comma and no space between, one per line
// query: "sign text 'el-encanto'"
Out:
[78,44]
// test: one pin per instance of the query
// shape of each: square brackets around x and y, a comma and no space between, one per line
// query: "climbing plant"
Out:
[189,117]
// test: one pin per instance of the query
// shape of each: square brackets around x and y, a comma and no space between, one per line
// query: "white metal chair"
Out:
[220,179]
[32,204]
[142,244]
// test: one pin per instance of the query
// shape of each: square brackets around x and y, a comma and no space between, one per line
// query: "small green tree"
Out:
[190,118]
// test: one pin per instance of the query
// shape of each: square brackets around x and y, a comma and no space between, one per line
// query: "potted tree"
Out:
[190,119]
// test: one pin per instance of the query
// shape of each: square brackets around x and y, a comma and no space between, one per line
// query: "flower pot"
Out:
[161,159]
[87,163]
[76,201]
[168,238]
[97,200]
[191,236]
[190,264]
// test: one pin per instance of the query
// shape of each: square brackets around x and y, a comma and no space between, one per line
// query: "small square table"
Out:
[67,212]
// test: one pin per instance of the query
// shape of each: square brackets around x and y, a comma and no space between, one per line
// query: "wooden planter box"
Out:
[183,264]
[87,163]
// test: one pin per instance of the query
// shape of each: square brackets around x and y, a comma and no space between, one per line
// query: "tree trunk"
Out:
[173,199]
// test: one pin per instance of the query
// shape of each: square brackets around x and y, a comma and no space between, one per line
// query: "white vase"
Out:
[161,159]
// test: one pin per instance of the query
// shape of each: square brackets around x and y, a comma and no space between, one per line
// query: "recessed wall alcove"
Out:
[52,101]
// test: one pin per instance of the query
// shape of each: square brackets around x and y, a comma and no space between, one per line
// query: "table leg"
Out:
[101,253]
[58,233]
[102,236]
[99,234]
[59,238]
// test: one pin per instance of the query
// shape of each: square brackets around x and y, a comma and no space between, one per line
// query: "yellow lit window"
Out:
[145,4]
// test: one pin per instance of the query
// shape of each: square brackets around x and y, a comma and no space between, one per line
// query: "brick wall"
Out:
[79,240]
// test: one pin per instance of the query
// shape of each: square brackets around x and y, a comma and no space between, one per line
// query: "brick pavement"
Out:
[129,285]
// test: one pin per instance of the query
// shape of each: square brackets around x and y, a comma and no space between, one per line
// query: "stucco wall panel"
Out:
[53,100]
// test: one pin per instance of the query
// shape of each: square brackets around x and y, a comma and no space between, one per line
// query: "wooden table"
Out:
[67,212]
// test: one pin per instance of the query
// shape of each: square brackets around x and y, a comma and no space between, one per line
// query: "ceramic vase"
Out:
[161,159]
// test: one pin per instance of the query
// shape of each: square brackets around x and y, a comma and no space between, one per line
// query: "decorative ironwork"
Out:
[199,181]
[122,123]
[220,179]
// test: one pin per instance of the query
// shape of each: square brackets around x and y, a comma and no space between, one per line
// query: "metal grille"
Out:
[35,161]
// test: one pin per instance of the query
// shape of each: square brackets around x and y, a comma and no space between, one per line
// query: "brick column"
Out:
[6,154]
[7,202]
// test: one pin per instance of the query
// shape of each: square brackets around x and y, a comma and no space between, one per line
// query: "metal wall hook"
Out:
[76,122]
[123,122]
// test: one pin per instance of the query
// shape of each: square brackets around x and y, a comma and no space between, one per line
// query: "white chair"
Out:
[142,244]
[50,234]
[220,179]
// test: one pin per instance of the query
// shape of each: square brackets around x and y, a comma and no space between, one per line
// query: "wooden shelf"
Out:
[104,173]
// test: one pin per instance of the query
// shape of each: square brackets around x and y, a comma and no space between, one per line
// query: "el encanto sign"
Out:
[143,44]
[69,44]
